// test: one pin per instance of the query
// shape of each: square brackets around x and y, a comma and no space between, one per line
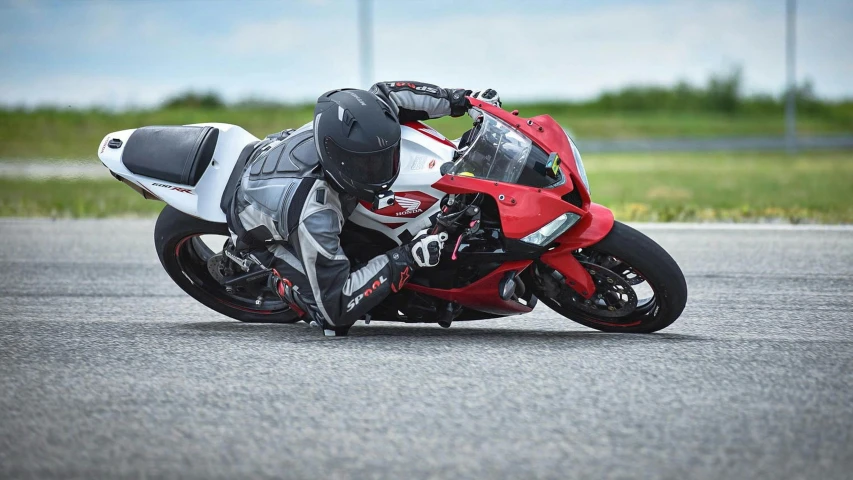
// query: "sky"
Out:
[135,53]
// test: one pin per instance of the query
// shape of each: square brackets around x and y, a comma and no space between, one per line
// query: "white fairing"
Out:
[201,201]
[421,157]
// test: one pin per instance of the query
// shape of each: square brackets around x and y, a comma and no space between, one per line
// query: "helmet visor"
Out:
[374,168]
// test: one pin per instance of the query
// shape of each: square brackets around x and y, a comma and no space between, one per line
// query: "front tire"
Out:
[626,266]
[184,256]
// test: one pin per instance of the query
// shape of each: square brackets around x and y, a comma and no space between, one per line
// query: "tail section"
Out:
[187,167]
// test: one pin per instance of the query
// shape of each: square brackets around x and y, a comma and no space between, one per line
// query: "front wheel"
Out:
[187,259]
[639,287]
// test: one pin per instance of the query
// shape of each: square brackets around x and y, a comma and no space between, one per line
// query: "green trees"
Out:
[204,100]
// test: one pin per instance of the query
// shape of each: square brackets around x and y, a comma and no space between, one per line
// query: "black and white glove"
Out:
[423,252]
[487,96]
[426,250]
[490,96]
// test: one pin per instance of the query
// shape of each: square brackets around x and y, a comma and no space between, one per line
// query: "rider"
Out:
[299,187]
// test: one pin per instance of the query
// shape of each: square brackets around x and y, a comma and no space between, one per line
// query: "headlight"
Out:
[554,229]
[578,162]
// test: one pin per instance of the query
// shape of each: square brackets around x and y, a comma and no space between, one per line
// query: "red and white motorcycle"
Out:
[513,198]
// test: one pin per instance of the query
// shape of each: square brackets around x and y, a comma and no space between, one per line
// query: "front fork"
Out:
[591,228]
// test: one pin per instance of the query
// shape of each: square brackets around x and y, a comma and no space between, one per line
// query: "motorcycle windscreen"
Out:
[497,152]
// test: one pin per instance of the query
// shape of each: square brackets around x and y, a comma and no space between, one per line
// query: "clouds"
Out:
[80,53]
[73,90]
[576,54]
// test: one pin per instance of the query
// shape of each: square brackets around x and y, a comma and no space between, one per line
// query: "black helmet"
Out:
[358,139]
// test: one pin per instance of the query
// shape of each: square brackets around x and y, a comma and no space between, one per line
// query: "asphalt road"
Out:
[108,370]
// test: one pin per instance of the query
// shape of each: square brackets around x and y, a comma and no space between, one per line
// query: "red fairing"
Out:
[526,209]
[482,295]
[550,136]
[589,230]
[430,132]
[537,207]
[523,210]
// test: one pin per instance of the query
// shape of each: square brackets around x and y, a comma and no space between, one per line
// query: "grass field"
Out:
[74,134]
[72,198]
[811,187]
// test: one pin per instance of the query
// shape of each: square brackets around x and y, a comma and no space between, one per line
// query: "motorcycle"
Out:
[512,196]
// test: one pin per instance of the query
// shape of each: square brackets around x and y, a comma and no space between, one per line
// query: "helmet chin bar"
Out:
[383,199]
[380,200]
[333,182]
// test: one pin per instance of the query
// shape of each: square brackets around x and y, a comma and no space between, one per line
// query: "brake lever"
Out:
[472,228]
[456,248]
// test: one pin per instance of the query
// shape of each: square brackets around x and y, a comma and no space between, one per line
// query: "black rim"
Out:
[622,298]
[192,256]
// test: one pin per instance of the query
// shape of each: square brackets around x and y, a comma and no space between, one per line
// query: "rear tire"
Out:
[183,257]
[624,250]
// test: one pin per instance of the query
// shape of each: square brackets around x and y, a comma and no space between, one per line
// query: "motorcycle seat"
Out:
[176,154]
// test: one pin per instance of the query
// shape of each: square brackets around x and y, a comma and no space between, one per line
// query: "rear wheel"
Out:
[639,287]
[189,259]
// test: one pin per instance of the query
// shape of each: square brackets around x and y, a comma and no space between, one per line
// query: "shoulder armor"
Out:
[295,156]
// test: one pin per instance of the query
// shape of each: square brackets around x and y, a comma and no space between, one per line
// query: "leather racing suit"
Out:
[291,217]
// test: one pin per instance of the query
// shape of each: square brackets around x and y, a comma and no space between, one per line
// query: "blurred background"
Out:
[686,110]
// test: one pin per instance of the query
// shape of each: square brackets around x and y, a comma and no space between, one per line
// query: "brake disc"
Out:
[613,295]
[220,267]
[627,272]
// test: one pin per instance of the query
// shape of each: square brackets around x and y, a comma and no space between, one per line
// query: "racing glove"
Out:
[426,250]
[487,96]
